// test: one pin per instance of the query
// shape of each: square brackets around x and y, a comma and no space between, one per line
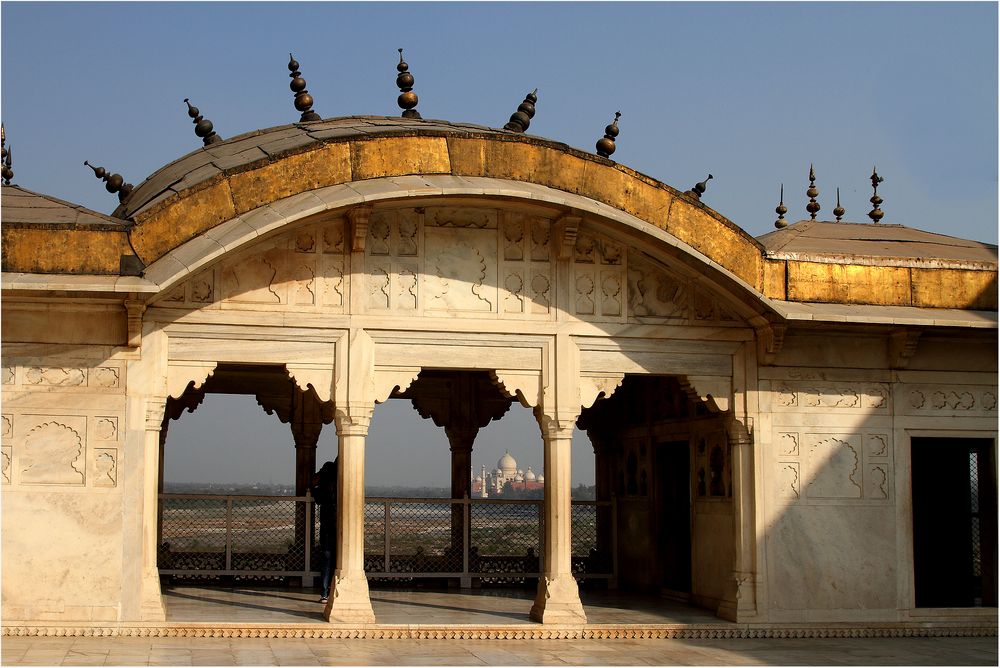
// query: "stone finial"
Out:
[407,99]
[699,188]
[781,210]
[202,126]
[813,206]
[5,157]
[303,100]
[521,119]
[113,183]
[876,213]
[606,144]
[839,211]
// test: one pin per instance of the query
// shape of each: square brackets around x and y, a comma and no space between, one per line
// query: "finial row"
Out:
[5,157]
[813,206]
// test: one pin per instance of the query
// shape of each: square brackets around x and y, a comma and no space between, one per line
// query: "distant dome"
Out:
[530,476]
[479,478]
[507,464]
[540,478]
[519,477]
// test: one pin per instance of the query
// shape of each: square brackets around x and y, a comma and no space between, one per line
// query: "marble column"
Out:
[151,600]
[558,597]
[349,599]
[740,600]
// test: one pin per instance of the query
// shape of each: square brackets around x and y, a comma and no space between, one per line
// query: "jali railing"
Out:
[496,541]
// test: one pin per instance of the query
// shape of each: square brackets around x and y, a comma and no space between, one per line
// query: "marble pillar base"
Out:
[349,601]
[558,601]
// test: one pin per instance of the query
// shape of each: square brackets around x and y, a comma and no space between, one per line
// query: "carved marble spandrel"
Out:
[53,451]
[461,266]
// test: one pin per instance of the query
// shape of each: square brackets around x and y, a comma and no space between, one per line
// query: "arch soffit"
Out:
[269,220]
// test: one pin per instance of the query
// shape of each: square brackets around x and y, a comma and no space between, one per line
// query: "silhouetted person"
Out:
[324,492]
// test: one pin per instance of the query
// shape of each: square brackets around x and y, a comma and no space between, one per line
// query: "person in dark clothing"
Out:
[324,493]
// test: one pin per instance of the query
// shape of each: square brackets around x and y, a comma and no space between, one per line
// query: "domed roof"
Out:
[507,464]
[529,475]
[519,477]
[540,478]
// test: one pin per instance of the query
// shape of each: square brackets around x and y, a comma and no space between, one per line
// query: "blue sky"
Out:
[750,92]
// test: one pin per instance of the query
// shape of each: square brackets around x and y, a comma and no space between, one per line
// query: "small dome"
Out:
[507,464]
[540,478]
[530,476]
[519,477]
[479,478]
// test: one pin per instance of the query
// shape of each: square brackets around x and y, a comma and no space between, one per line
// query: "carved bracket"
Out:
[902,347]
[594,386]
[388,379]
[317,376]
[565,231]
[134,310]
[183,373]
[770,339]
[526,386]
[358,218]
[715,391]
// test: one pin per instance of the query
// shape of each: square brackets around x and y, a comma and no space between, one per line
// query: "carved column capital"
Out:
[155,411]
[353,420]
[770,339]
[555,428]
[566,229]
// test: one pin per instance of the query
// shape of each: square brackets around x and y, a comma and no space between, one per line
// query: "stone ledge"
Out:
[512,632]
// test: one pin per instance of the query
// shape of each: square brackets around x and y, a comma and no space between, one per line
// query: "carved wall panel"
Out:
[797,396]
[461,265]
[105,469]
[832,466]
[600,289]
[392,263]
[950,400]
[525,264]
[5,464]
[654,293]
[53,451]
[71,377]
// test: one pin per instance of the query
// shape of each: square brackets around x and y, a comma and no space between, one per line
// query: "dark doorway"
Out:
[673,511]
[954,522]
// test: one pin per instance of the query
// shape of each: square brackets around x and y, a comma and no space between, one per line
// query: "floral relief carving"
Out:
[878,445]
[407,289]
[704,307]
[5,454]
[461,263]
[513,301]
[584,251]
[303,284]
[201,289]
[652,292]
[8,375]
[611,288]
[917,399]
[251,279]
[610,253]
[953,400]
[106,428]
[787,397]
[540,287]
[378,288]
[176,294]
[460,217]
[333,237]
[7,427]
[105,376]
[333,283]
[788,474]
[585,294]
[407,235]
[305,242]
[513,235]
[106,467]
[788,445]
[378,235]
[989,401]
[51,455]
[878,482]
[834,464]
[540,236]
[57,376]
[875,397]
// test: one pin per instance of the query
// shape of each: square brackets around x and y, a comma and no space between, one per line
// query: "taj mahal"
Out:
[492,483]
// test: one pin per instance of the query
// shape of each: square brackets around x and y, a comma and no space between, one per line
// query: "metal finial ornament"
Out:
[876,213]
[303,100]
[407,99]
[839,211]
[521,119]
[606,144]
[781,210]
[700,187]
[5,157]
[113,183]
[813,206]
[202,126]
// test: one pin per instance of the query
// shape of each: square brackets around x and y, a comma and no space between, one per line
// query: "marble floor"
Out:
[307,652]
[409,606]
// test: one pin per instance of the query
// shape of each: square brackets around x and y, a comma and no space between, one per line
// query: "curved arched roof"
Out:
[235,179]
